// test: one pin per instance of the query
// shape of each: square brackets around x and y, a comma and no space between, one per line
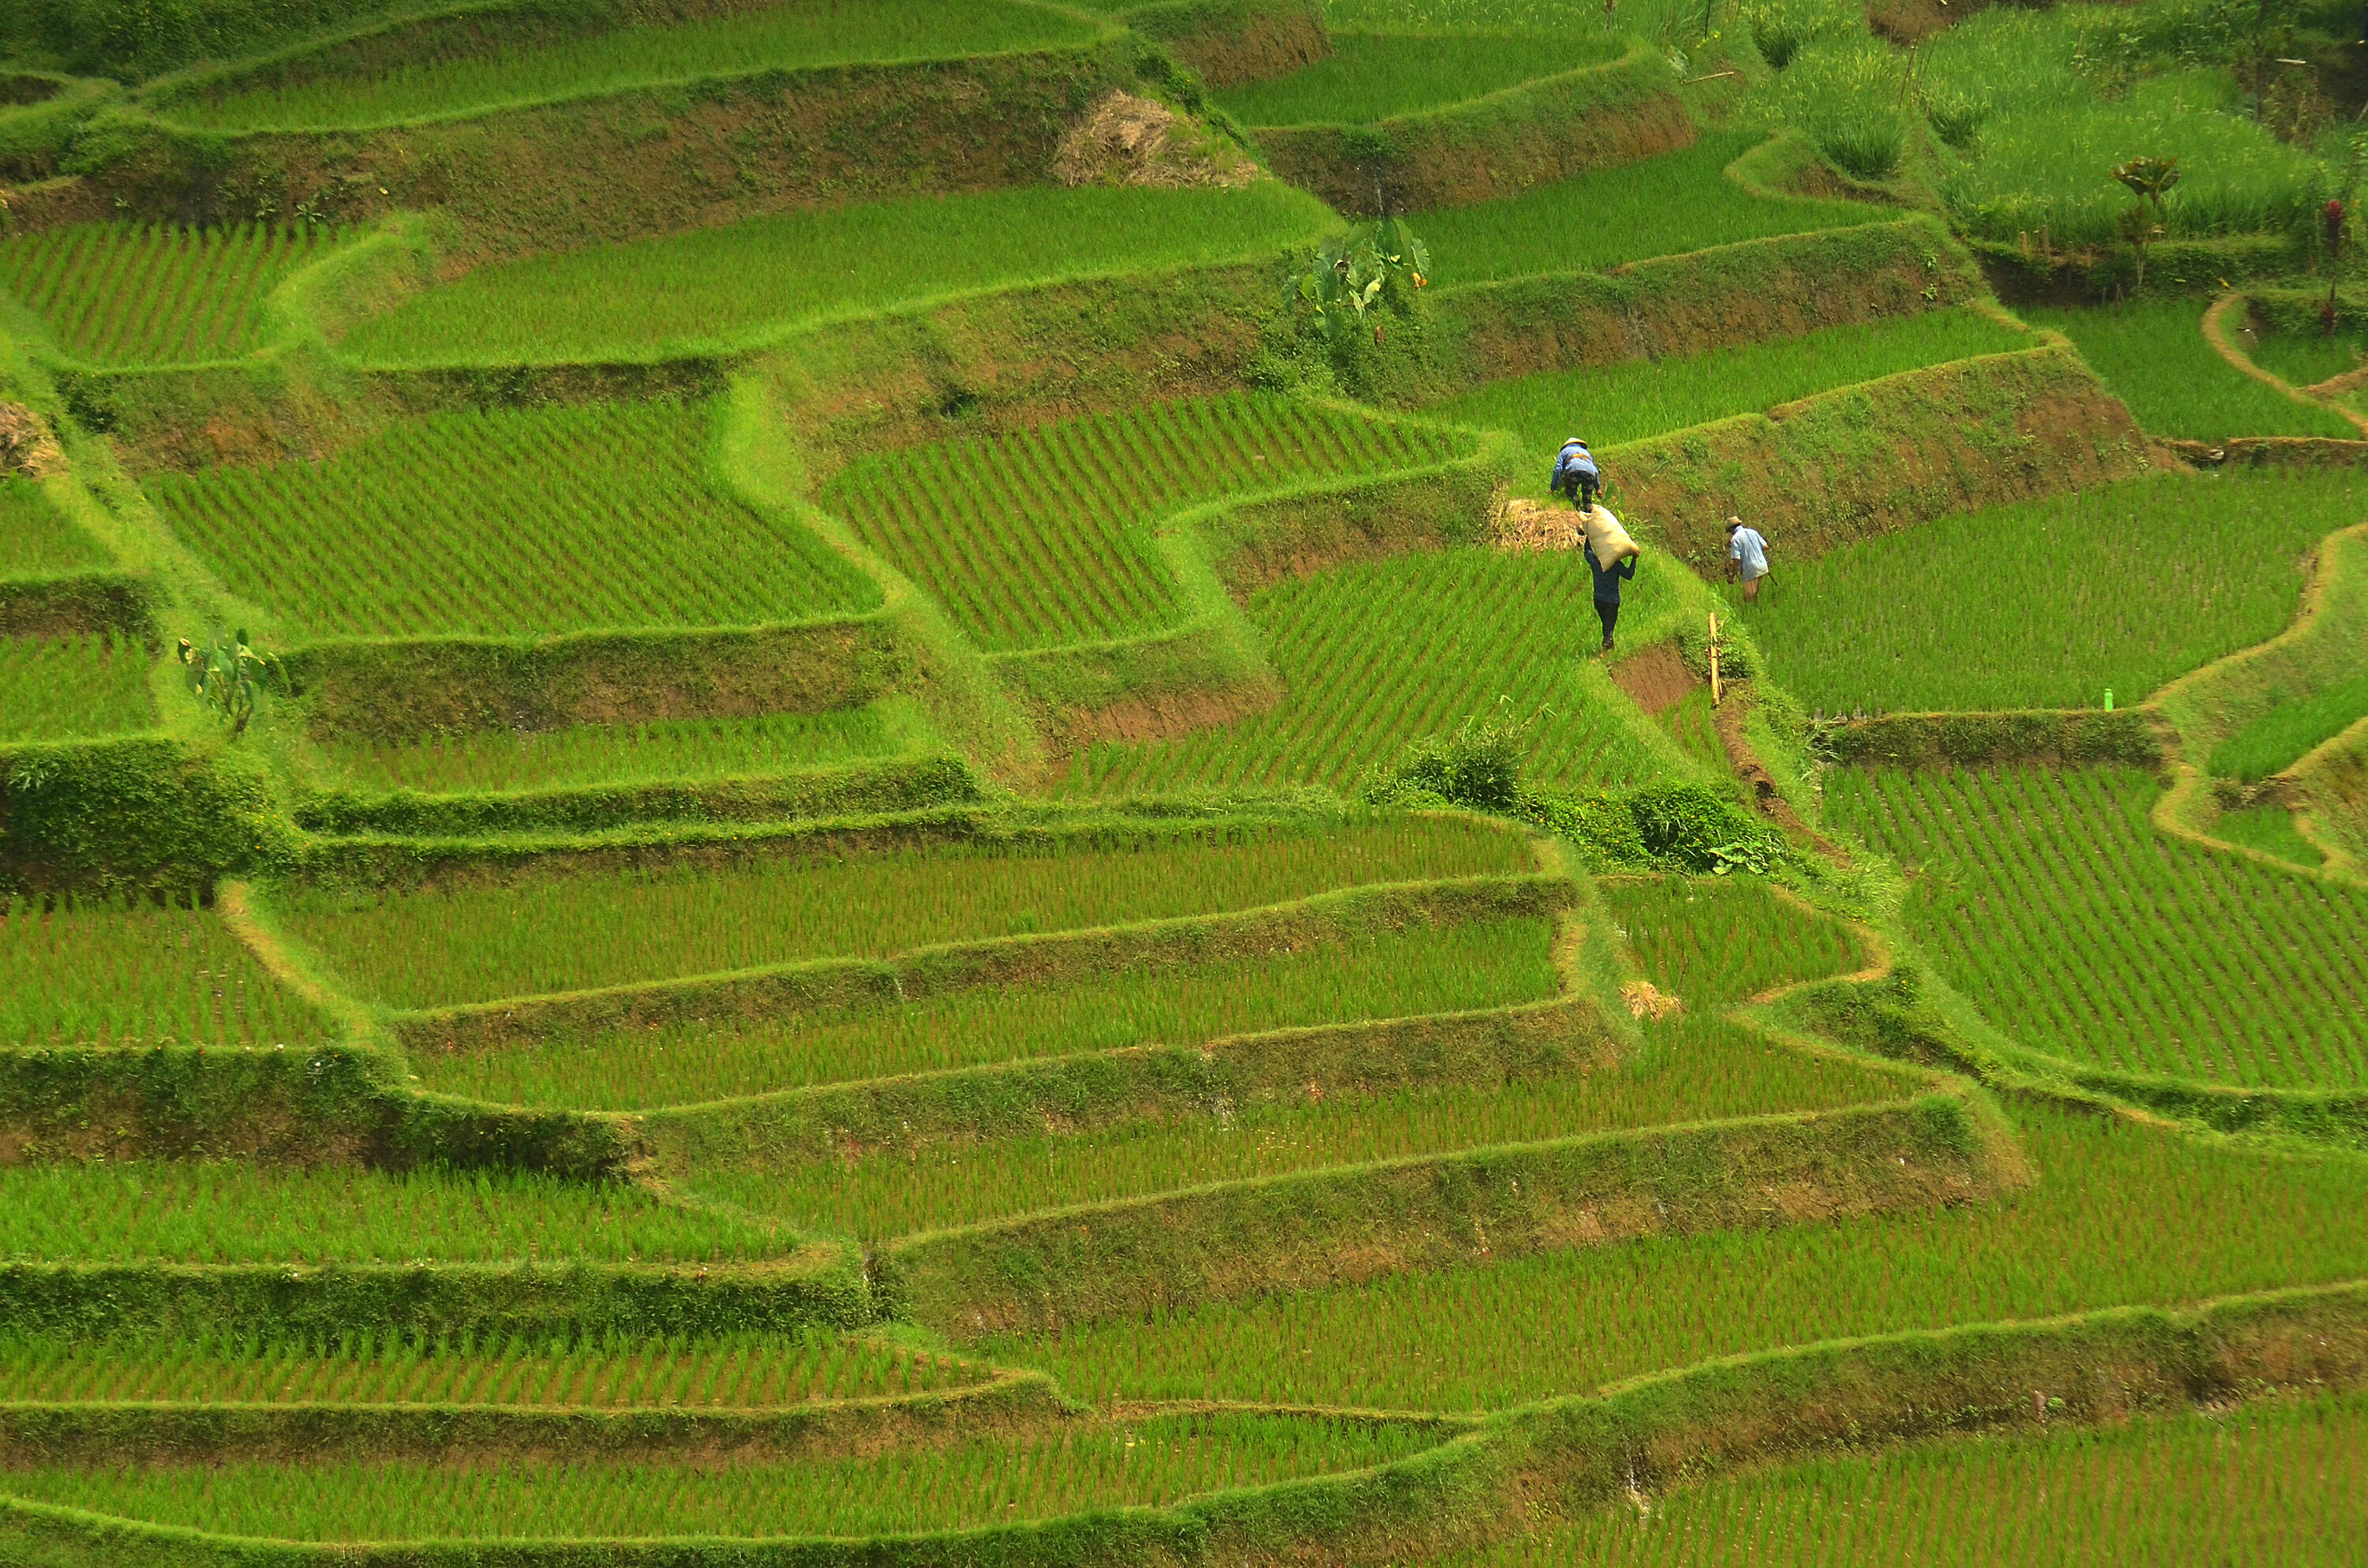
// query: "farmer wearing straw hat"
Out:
[1575,471]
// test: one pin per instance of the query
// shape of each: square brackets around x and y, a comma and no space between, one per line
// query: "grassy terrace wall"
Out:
[1230,41]
[2065,737]
[141,813]
[1494,146]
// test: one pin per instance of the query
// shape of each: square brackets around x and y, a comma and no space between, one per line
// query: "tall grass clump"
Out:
[2051,902]
[2123,1214]
[2152,353]
[68,688]
[1043,536]
[1781,29]
[321,91]
[1846,92]
[510,521]
[1358,975]
[95,972]
[1078,1466]
[1680,202]
[720,290]
[131,294]
[477,944]
[2205,1486]
[36,538]
[1916,621]
[1370,76]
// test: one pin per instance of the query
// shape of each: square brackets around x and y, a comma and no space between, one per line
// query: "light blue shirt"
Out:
[1745,545]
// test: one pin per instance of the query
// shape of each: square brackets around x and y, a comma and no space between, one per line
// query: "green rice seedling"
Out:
[631,754]
[92,973]
[73,687]
[1043,536]
[2051,902]
[1611,403]
[1082,1465]
[456,73]
[477,944]
[2289,731]
[198,1211]
[736,1372]
[2270,830]
[1378,653]
[2307,359]
[1712,941]
[1680,202]
[1370,76]
[2122,588]
[2152,354]
[2284,1483]
[1694,1070]
[509,521]
[128,294]
[1376,975]
[732,287]
[2122,1214]
[1463,18]
[35,537]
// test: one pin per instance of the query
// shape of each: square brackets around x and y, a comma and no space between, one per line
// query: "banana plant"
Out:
[227,676]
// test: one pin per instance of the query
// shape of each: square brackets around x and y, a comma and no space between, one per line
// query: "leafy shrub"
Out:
[1479,765]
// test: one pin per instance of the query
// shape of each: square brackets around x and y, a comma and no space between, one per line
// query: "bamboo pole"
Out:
[1715,693]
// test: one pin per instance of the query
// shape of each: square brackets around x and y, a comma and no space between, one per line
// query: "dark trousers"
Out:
[1583,488]
[1608,611]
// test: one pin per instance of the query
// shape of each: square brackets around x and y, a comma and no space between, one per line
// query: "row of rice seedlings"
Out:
[1366,975]
[452,70]
[1913,621]
[1697,1069]
[2123,1214]
[1611,403]
[476,944]
[66,687]
[1378,653]
[1370,76]
[133,294]
[1713,941]
[2052,903]
[2289,731]
[2260,1484]
[94,972]
[200,1211]
[631,754]
[1043,536]
[713,288]
[35,537]
[2041,105]
[371,1368]
[2153,355]
[1089,1464]
[1680,202]
[2270,829]
[496,521]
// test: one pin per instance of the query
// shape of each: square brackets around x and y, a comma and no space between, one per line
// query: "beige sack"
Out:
[1609,540]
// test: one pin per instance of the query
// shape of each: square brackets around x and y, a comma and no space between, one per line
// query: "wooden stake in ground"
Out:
[1714,659]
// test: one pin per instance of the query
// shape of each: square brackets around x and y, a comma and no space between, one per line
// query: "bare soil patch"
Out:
[1132,140]
[1655,679]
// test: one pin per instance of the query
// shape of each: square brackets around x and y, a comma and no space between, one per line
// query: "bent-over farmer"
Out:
[1749,552]
[1607,589]
[1575,471]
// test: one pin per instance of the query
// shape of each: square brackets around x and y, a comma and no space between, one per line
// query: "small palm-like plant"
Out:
[2150,179]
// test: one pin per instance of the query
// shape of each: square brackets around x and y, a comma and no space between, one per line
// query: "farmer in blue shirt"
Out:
[1749,553]
[1607,589]
[1575,471]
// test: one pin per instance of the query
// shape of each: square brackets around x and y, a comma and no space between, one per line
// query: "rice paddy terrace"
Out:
[755,809]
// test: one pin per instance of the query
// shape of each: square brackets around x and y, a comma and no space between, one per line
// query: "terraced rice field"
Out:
[1045,537]
[2122,1214]
[583,755]
[1091,1465]
[2291,731]
[36,538]
[188,1212]
[1682,201]
[2078,929]
[455,70]
[1612,404]
[74,687]
[1353,975]
[2155,359]
[2305,358]
[2096,601]
[131,294]
[2284,1483]
[366,1368]
[90,972]
[424,949]
[718,288]
[1697,1069]
[1370,76]
[1378,653]
[509,522]
[2270,830]
[1713,941]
